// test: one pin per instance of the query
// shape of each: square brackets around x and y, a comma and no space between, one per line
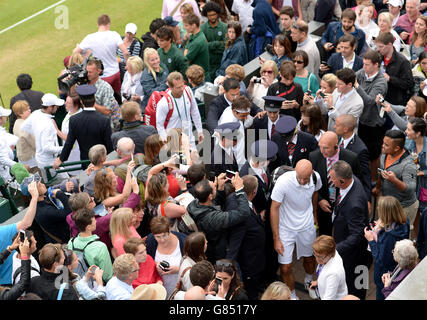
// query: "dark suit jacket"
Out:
[34,99]
[246,242]
[261,200]
[88,128]
[335,61]
[137,132]
[217,107]
[358,147]
[319,165]
[351,217]
[261,124]
[306,143]
[221,161]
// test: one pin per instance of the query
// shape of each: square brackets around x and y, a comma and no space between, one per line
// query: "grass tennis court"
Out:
[37,47]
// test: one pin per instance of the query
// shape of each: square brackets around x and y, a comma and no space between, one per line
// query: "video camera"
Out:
[76,74]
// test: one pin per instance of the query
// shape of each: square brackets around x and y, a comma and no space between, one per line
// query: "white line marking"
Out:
[32,16]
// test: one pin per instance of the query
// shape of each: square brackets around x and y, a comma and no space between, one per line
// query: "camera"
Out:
[269,49]
[381,99]
[22,235]
[164,265]
[76,74]
[257,80]
[126,96]
[230,174]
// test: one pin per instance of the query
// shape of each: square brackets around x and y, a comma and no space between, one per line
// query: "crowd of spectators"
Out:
[180,195]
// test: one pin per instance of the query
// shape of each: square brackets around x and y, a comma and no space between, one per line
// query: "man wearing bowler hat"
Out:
[293,145]
[265,127]
[88,127]
[223,156]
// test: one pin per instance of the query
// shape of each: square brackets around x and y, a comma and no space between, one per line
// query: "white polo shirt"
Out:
[296,208]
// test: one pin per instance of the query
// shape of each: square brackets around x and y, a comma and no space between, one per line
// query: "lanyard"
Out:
[177,108]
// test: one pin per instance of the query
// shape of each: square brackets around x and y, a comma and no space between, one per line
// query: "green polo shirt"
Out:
[216,44]
[174,59]
[198,52]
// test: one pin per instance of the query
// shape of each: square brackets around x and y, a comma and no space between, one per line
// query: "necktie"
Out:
[342,143]
[338,198]
[264,177]
[330,183]
[291,148]
[273,130]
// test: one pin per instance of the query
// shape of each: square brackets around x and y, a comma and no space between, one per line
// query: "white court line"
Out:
[32,16]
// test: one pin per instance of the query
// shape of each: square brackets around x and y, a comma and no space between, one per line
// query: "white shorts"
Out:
[304,243]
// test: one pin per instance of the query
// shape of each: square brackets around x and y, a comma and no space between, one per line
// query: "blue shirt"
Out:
[6,234]
[118,290]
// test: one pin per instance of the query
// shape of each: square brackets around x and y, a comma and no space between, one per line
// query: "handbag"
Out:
[423,194]
[178,285]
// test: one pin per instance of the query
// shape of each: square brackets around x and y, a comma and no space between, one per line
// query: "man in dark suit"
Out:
[223,157]
[34,98]
[263,151]
[350,217]
[346,58]
[322,161]
[89,127]
[133,127]
[345,126]
[293,145]
[247,242]
[220,103]
[265,127]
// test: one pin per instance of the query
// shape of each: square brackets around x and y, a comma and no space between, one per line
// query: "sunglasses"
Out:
[223,264]
[268,71]
[298,61]
[295,26]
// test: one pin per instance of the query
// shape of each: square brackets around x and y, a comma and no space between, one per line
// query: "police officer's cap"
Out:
[85,90]
[228,129]
[273,103]
[264,149]
[286,124]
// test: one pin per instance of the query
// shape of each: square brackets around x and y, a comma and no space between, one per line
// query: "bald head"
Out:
[195,293]
[345,125]
[125,146]
[328,144]
[303,169]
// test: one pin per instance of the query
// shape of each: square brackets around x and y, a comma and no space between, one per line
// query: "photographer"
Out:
[258,87]
[18,289]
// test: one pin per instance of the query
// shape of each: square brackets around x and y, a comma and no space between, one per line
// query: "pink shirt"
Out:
[119,241]
[335,158]
[405,23]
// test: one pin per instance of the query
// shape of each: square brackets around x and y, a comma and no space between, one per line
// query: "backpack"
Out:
[151,108]
[83,266]
[19,271]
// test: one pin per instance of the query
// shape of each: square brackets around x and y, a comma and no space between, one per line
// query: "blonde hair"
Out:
[187,7]
[147,53]
[330,79]
[387,16]
[277,291]
[324,245]
[156,189]
[269,64]
[19,107]
[136,64]
[235,71]
[120,222]
[390,210]
[123,265]
[75,58]
[173,76]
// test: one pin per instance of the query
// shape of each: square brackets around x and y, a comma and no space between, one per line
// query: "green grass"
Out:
[36,47]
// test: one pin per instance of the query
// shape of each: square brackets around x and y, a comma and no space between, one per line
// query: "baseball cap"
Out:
[396,3]
[131,27]
[49,99]
[170,21]
[5,112]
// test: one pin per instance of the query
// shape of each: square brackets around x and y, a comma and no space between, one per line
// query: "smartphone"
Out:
[380,170]
[230,174]
[131,155]
[309,91]
[218,281]
[22,235]
[92,270]
[321,94]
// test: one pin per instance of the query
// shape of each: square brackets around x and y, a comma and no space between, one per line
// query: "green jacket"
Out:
[216,37]
[198,52]
[95,254]
[174,59]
